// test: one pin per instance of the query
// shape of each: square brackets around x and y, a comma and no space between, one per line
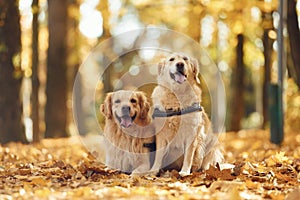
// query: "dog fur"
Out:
[184,142]
[127,128]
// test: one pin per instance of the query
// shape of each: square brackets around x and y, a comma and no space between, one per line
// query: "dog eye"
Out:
[185,58]
[133,101]
[118,101]
[172,59]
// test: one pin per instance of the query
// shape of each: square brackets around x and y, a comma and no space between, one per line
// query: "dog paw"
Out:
[183,174]
[139,172]
[135,174]
[153,173]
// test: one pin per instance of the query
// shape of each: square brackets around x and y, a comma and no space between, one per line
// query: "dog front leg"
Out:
[159,156]
[188,157]
[198,158]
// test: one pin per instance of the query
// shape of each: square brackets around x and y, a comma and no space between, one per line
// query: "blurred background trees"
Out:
[294,38]
[11,126]
[56,86]
[56,36]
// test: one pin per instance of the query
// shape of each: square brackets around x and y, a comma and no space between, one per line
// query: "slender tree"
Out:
[238,91]
[56,89]
[11,126]
[294,37]
[74,43]
[267,74]
[35,79]
[103,8]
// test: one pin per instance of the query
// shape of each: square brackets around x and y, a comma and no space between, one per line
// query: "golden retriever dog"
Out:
[184,142]
[128,132]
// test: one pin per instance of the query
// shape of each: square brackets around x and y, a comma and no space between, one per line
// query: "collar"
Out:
[150,146]
[195,107]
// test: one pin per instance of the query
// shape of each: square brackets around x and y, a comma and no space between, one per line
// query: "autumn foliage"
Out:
[254,169]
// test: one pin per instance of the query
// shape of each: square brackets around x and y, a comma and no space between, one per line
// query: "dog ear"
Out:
[144,105]
[105,108]
[195,68]
[161,65]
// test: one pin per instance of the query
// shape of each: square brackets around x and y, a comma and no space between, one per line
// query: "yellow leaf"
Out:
[42,193]
[83,191]
[235,194]
[277,196]
[280,157]
[40,181]
[252,185]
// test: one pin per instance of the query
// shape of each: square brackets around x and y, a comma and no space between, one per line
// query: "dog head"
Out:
[178,68]
[126,108]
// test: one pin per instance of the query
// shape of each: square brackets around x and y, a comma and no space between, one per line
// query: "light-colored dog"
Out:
[183,142]
[127,131]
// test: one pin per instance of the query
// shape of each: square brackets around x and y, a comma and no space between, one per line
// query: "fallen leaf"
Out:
[226,186]
[40,181]
[252,185]
[216,173]
[64,169]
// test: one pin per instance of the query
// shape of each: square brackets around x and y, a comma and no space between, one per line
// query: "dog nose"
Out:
[180,66]
[126,109]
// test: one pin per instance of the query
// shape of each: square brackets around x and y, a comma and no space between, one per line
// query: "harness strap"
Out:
[195,107]
[151,146]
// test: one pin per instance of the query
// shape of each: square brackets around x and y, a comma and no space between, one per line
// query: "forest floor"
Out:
[64,169]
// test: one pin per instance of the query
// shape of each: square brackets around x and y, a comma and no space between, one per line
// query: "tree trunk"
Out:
[35,79]
[56,88]
[74,43]
[294,38]
[267,74]
[238,96]
[11,126]
[104,9]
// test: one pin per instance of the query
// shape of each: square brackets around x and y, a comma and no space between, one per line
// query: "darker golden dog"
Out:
[128,131]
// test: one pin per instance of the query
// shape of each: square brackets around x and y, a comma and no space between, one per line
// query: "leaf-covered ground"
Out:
[64,169]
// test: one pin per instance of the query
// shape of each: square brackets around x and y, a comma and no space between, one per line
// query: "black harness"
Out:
[195,107]
[150,146]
